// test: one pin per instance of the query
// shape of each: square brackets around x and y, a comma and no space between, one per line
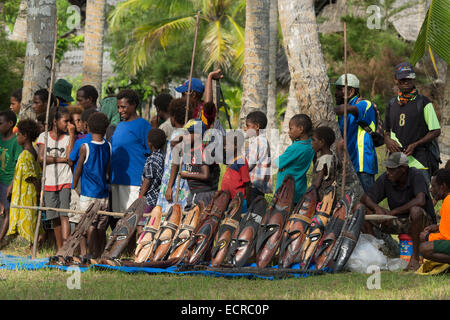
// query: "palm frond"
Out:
[239,46]
[218,47]
[136,53]
[434,32]
[157,7]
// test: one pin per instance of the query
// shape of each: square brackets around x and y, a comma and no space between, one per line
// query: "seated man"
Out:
[408,199]
[435,239]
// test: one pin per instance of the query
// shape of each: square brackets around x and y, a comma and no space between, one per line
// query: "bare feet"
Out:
[413,265]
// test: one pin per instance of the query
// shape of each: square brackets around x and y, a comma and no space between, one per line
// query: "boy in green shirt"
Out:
[9,153]
[297,158]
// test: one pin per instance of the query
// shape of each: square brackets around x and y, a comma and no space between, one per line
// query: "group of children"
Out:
[79,153]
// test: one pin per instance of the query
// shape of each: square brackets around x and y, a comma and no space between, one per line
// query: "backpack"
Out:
[433,146]
[378,134]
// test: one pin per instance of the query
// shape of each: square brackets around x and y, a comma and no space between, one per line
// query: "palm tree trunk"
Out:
[445,134]
[2,16]
[256,58]
[272,122]
[41,24]
[309,77]
[93,44]
[291,110]
[20,26]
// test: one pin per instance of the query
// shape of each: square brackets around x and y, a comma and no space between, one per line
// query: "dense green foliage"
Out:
[12,59]
[220,40]
[164,65]
[11,12]
[371,56]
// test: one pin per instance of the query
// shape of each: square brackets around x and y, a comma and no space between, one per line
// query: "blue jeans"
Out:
[367,180]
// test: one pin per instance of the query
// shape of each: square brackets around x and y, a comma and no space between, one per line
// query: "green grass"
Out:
[52,284]
[106,284]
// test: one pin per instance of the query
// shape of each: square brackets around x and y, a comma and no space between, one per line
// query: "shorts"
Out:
[441,246]
[196,198]
[123,196]
[148,209]
[74,205]
[366,180]
[57,199]
[253,194]
[402,224]
[101,221]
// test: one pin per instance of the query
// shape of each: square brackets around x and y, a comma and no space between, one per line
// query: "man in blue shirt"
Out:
[359,143]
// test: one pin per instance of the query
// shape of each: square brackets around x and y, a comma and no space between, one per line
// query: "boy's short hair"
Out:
[89,92]
[9,116]
[98,123]
[177,109]
[326,134]
[130,95]
[259,118]
[302,120]
[162,101]
[157,138]
[17,94]
[442,176]
[87,113]
[29,128]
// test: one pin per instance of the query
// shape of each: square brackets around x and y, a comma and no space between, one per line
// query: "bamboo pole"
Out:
[41,200]
[106,213]
[344,171]
[177,190]
[371,217]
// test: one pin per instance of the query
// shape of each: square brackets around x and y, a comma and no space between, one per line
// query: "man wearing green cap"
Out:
[408,199]
[62,90]
[359,142]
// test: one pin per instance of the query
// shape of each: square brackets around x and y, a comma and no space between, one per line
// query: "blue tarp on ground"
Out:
[9,262]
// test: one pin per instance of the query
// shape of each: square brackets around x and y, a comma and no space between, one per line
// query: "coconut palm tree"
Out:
[272,86]
[256,58]
[93,43]
[309,78]
[221,35]
[41,24]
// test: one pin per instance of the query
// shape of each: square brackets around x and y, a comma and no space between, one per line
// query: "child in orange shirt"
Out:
[435,239]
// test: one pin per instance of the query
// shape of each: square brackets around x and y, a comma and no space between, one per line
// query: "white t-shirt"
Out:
[59,175]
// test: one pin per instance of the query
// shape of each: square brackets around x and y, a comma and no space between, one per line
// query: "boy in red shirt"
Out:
[236,177]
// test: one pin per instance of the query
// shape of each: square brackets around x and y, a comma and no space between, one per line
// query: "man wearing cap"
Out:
[62,90]
[411,123]
[408,199]
[359,142]
[204,110]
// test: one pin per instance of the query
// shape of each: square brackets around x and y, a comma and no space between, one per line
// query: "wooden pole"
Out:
[344,171]
[52,72]
[106,213]
[186,115]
